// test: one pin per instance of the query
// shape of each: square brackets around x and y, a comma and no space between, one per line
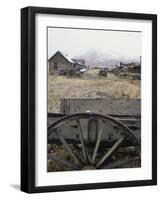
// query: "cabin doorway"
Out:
[55,65]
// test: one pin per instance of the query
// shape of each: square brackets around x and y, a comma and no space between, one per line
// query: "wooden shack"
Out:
[78,64]
[135,68]
[59,62]
[131,67]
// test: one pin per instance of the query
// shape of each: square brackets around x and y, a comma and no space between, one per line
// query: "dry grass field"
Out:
[89,86]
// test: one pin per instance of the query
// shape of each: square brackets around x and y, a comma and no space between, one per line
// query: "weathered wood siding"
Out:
[58,62]
[111,106]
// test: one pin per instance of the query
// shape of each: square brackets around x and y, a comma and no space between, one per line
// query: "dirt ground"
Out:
[89,86]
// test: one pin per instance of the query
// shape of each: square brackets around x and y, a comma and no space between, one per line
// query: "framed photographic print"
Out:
[88,99]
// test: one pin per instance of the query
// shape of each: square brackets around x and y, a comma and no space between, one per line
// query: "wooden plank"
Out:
[121,106]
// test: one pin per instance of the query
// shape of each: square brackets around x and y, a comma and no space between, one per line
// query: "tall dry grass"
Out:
[89,86]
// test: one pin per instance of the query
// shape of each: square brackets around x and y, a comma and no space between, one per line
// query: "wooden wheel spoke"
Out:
[98,142]
[58,126]
[54,157]
[110,151]
[82,140]
[68,148]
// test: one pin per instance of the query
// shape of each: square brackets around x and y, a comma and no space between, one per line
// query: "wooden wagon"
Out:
[96,133]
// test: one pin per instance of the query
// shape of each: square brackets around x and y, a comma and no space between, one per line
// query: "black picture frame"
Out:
[28,91]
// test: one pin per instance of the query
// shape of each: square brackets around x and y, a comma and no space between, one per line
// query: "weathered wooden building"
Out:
[78,64]
[131,67]
[59,61]
[136,68]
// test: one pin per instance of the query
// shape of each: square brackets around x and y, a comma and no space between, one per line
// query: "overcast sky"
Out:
[75,42]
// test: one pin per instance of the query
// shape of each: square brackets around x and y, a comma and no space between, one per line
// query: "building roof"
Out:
[78,61]
[64,55]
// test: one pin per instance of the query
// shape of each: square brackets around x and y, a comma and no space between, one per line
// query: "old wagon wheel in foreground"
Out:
[97,156]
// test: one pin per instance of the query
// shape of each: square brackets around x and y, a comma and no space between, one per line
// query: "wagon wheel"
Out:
[94,161]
